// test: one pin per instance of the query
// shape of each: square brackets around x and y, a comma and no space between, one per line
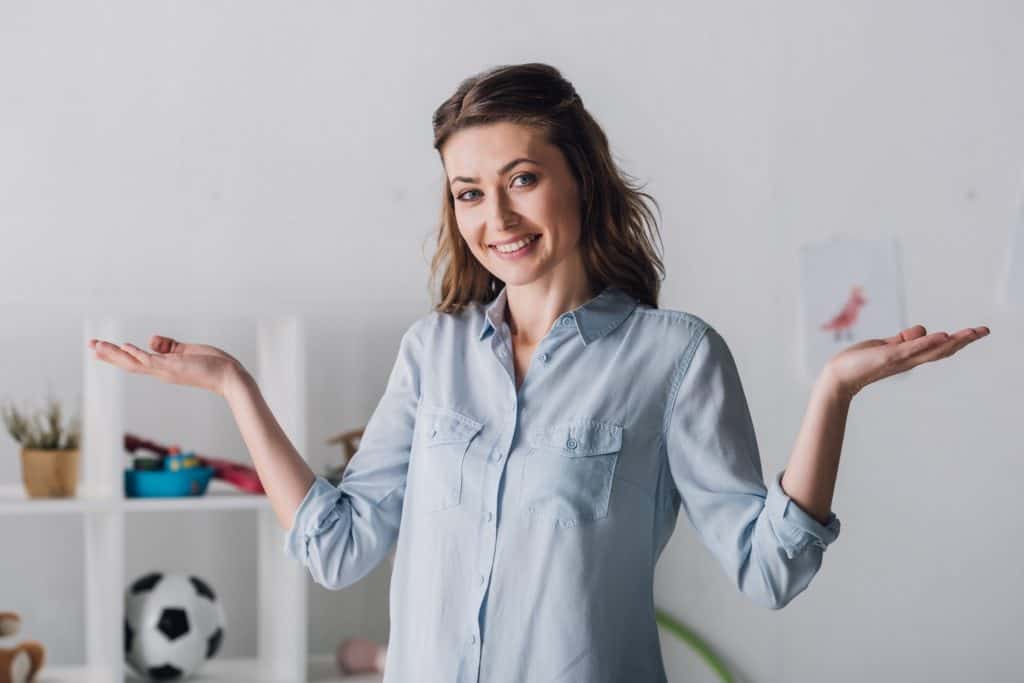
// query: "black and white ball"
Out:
[173,624]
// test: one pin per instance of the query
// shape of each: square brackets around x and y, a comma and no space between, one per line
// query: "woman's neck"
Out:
[532,309]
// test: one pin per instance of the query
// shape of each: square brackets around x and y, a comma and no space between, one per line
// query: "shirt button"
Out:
[499,456]
[483,579]
[490,516]
[567,320]
[472,639]
[544,358]
[571,444]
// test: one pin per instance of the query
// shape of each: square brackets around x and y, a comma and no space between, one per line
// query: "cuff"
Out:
[316,511]
[794,526]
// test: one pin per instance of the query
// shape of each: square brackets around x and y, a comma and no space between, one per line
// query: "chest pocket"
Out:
[446,440]
[569,471]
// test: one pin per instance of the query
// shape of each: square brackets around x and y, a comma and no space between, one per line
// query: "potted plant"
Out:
[49,451]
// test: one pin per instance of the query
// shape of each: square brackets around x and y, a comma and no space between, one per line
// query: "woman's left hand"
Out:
[869,361]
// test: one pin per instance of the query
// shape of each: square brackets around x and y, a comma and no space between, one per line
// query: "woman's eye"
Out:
[530,177]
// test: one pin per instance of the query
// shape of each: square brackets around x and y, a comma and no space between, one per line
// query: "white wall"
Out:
[187,155]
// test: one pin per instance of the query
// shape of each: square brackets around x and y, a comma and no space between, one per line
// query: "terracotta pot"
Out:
[49,473]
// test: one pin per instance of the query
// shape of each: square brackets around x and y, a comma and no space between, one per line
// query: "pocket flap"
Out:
[447,426]
[579,437]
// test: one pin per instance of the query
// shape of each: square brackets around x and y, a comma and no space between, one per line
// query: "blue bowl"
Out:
[165,483]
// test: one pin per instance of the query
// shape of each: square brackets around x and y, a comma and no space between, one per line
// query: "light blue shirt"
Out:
[527,524]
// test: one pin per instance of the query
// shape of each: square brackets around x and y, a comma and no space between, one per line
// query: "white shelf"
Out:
[219,496]
[102,507]
[14,501]
[320,669]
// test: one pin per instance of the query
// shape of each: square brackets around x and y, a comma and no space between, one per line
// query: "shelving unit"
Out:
[100,501]
[321,669]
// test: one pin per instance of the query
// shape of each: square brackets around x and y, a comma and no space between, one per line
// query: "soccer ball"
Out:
[173,624]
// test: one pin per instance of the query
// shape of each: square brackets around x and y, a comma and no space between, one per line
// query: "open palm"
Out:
[874,359]
[197,365]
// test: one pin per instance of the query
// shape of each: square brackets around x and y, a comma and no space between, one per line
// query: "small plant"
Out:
[43,430]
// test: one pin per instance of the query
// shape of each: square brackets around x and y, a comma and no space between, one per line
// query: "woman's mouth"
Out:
[517,249]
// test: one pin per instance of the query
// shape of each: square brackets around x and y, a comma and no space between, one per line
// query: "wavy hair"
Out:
[617,224]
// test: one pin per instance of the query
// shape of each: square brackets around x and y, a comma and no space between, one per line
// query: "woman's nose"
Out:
[502,215]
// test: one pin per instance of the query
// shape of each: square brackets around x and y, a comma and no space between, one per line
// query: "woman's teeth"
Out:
[509,248]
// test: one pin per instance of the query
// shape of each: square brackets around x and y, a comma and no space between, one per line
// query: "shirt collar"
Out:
[593,320]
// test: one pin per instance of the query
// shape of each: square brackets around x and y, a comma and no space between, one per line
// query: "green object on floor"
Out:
[698,645]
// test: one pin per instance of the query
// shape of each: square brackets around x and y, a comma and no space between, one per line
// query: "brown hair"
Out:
[617,225]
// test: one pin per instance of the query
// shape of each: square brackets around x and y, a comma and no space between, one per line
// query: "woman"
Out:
[543,425]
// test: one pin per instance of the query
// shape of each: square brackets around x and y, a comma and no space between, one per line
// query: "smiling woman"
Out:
[524,159]
[543,426]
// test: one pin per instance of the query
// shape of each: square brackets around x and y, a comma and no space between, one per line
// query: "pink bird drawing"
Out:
[842,324]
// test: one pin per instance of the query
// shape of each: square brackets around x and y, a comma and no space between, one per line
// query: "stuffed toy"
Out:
[18,664]
[361,655]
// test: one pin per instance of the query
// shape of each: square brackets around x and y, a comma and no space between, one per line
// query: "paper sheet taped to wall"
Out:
[851,290]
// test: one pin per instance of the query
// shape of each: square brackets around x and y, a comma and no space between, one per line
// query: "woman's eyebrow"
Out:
[503,170]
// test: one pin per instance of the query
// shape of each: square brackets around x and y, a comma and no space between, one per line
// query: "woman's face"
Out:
[508,183]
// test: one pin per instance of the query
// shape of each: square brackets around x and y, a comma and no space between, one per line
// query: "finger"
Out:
[968,336]
[914,347]
[947,348]
[908,334]
[138,354]
[162,344]
[114,355]
[907,354]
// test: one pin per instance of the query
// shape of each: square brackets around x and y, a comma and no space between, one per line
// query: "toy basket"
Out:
[166,483]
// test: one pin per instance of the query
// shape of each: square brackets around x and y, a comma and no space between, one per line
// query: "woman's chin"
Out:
[517,277]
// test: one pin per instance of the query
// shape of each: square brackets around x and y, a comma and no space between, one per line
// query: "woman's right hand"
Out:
[197,365]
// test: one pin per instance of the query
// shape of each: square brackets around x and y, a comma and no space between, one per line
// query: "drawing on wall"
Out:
[851,290]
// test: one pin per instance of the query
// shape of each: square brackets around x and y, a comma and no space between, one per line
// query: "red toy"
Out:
[242,476]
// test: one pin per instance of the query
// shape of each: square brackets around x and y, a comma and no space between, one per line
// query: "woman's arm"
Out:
[810,476]
[339,532]
[285,476]
[283,473]
[767,545]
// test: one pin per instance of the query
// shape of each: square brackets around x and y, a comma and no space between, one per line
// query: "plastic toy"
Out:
[236,474]
[166,483]
[21,663]
[360,655]
[180,461]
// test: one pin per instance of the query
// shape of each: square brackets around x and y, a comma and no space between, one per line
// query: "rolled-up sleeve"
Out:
[768,546]
[340,533]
